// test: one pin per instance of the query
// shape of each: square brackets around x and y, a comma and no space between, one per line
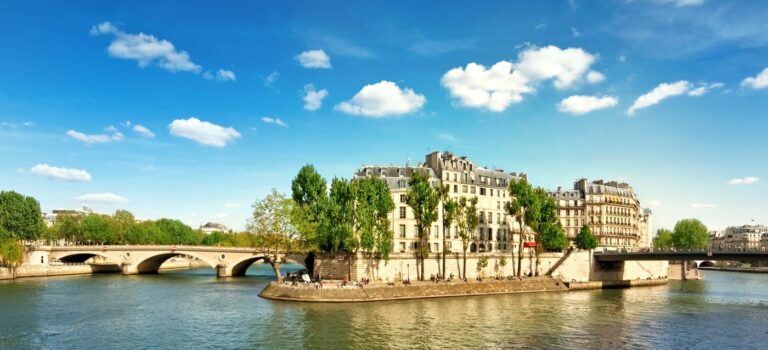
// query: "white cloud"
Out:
[96,138]
[382,99]
[579,104]
[702,205]
[576,33]
[276,121]
[313,99]
[28,124]
[622,59]
[759,81]
[221,75]
[681,3]
[745,181]
[505,82]
[447,137]
[231,205]
[659,93]
[271,78]
[655,203]
[146,49]
[64,174]
[101,197]
[221,215]
[314,59]
[143,131]
[704,88]
[595,77]
[203,132]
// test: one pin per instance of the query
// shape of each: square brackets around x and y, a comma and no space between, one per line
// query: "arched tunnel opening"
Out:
[152,264]
[77,258]
[240,268]
[707,264]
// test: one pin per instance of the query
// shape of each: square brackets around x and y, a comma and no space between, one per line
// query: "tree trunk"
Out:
[536,271]
[443,244]
[520,253]
[464,269]
[275,263]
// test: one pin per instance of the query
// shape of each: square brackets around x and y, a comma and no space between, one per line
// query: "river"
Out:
[193,309]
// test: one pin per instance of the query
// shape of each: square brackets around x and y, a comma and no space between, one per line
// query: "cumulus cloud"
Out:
[90,139]
[744,181]
[382,99]
[579,104]
[220,75]
[313,99]
[146,49]
[276,121]
[681,3]
[64,174]
[203,132]
[231,205]
[314,59]
[759,81]
[595,77]
[659,93]
[106,197]
[702,205]
[704,88]
[505,83]
[143,131]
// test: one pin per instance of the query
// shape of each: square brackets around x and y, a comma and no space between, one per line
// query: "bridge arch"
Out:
[151,263]
[239,268]
[707,263]
[80,257]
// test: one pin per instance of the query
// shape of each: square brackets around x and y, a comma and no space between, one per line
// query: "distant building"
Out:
[465,179]
[50,219]
[742,237]
[211,227]
[610,209]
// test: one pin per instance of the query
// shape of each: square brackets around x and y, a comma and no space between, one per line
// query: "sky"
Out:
[194,110]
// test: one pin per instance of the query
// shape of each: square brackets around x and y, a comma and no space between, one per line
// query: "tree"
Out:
[690,234]
[337,224]
[518,207]
[585,239]
[271,221]
[423,199]
[309,194]
[466,222]
[552,237]
[122,220]
[373,205]
[449,208]
[482,263]
[11,250]
[68,227]
[146,232]
[502,262]
[96,229]
[663,239]
[176,232]
[20,216]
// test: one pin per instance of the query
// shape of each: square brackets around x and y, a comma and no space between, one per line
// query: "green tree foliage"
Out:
[552,237]
[449,208]
[68,227]
[373,203]
[271,222]
[176,232]
[423,199]
[466,222]
[482,263]
[690,234]
[309,195]
[337,225]
[519,205]
[585,239]
[121,221]
[96,229]
[20,215]
[146,232]
[11,250]
[663,239]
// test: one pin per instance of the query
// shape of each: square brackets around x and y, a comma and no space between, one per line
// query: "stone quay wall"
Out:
[331,292]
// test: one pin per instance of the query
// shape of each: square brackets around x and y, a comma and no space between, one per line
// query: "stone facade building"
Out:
[745,237]
[610,209]
[495,231]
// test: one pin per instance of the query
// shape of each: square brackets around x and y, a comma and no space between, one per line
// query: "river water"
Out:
[193,309]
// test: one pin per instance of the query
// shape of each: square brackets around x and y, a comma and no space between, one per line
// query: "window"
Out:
[401,184]
[490,234]
[482,191]
[437,232]
[498,217]
[402,247]
[436,248]
[402,198]
[454,178]
[455,188]
[464,189]
[490,218]
[472,190]
[402,212]
[402,231]
[498,205]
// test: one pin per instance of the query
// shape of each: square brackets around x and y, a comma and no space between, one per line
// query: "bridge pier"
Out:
[129,269]
[223,271]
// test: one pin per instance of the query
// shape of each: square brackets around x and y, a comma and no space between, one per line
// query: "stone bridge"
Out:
[134,259]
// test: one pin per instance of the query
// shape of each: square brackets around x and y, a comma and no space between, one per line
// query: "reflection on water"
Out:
[726,310]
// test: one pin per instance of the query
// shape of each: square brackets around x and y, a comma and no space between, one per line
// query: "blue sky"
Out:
[668,95]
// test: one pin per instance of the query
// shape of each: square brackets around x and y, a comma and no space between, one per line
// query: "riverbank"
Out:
[332,293]
[737,269]
[85,269]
